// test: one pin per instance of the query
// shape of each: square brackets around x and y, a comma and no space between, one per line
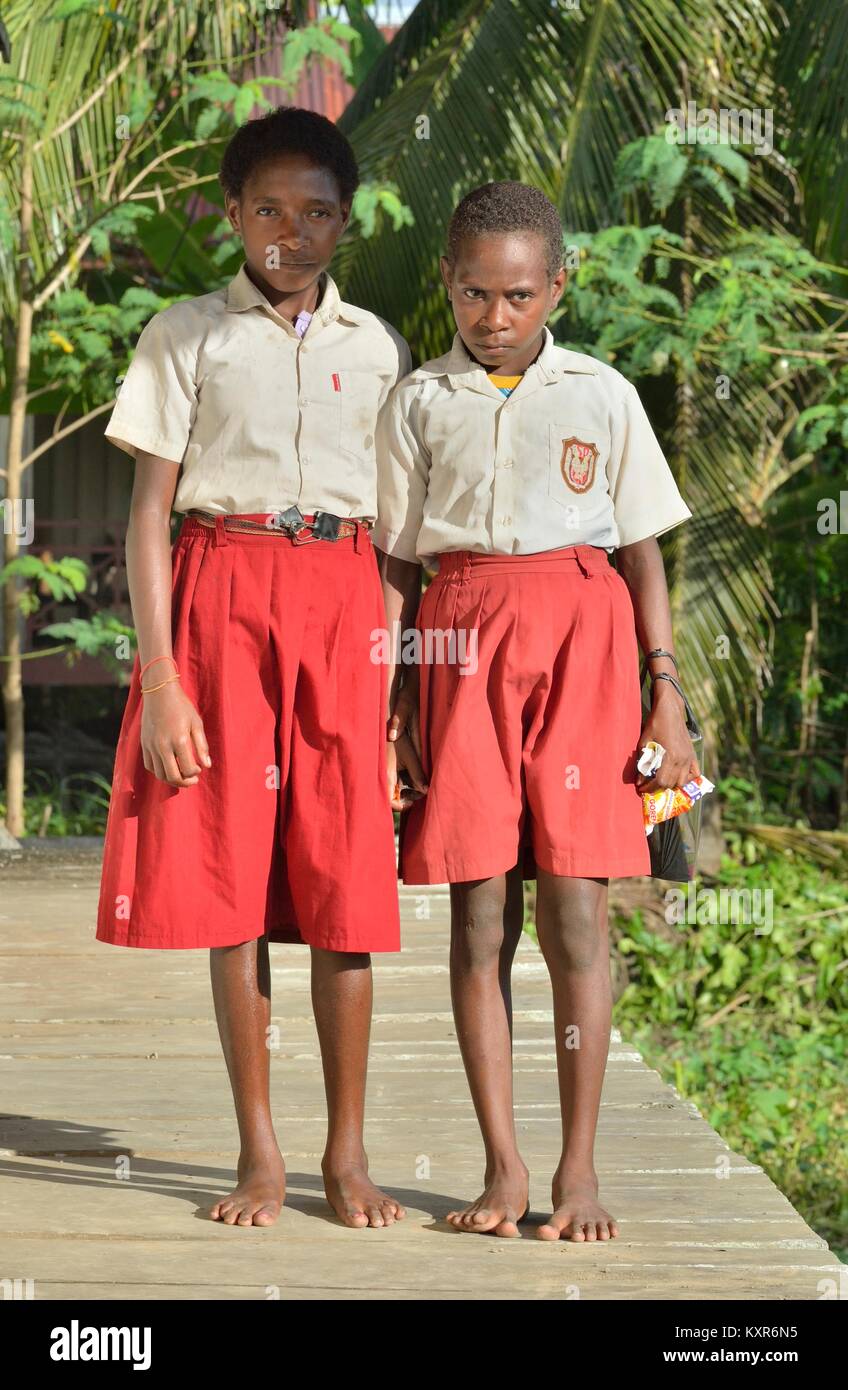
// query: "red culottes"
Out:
[530,733]
[289,834]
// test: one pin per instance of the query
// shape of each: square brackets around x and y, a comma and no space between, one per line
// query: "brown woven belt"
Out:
[300,529]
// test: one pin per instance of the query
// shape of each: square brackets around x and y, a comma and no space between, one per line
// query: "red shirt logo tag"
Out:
[337,386]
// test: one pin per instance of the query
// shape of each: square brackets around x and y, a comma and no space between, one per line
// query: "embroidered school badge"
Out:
[578,464]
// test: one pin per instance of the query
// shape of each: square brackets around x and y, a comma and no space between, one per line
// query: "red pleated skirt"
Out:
[289,834]
[530,733]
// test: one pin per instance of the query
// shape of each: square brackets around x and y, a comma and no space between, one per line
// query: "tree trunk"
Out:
[842,800]
[13,698]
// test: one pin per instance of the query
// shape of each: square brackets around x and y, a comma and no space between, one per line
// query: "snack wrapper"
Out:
[652,756]
[668,802]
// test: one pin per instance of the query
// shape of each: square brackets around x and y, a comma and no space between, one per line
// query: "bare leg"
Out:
[486,922]
[341,1000]
[241,989]
[571,920]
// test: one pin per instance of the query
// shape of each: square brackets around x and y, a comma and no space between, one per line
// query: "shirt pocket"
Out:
[577,460]
[359,399]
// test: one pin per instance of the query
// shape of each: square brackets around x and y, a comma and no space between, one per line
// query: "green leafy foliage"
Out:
[372,200]
[664,170]
[13,108]
[122,222]
[81,345]
[749,1024]
[370,42]
[693,970]
[104,635]
[58,579]
[229,103]
[100,9]
[59,806]
[325,41]
[624,303]
[829,417]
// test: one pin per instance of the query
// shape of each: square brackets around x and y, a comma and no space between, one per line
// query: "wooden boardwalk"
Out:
[118,1131]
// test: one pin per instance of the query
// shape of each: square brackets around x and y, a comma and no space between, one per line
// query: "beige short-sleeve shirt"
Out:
[258,418]
[569,458]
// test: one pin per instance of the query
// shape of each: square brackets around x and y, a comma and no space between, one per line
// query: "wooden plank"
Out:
[111,1058]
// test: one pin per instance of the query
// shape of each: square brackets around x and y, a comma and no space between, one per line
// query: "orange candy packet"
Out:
[669,802]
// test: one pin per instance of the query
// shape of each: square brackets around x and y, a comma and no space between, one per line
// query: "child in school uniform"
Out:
[249,801]
[520,467]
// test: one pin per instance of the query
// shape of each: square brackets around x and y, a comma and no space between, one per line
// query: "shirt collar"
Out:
[550,365]
[242,294]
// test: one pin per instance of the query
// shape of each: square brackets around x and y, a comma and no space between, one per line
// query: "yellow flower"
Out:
[60,341]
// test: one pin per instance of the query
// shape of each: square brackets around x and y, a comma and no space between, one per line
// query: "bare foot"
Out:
[259,1197]
[578,1215]
[355,1199]
[500,1207]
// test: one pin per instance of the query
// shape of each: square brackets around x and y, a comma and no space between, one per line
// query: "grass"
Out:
[58,807]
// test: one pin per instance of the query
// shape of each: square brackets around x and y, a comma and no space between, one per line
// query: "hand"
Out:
[173,743]
[403,748]
[404,718]
[402,796]
[666,724]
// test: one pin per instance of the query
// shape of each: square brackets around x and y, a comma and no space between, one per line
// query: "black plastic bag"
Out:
[673,844]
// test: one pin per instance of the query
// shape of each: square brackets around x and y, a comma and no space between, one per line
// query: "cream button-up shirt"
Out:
[569,458]
[259,418]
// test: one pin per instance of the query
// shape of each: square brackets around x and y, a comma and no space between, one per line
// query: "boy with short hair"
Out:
[521,466]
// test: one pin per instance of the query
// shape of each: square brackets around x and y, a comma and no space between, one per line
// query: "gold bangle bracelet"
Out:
[151,688]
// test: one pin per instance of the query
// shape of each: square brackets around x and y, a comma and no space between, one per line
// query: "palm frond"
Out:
[551,96]
[811,68]
[82,75]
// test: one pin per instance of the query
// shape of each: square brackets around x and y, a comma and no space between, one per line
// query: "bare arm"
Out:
[173,743]
[401,595]
[642,569]
[149,560]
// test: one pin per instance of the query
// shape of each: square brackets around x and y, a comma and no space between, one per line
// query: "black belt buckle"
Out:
[326,526]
